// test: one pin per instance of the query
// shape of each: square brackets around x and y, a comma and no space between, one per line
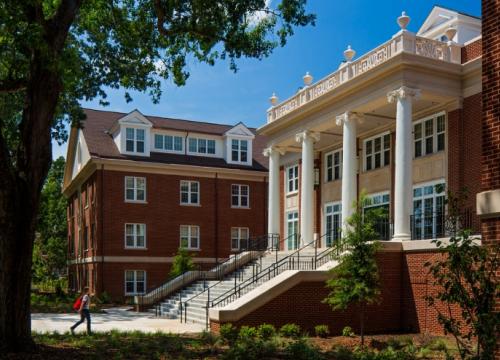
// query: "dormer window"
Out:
[239,150]
[135,140]
[201,146]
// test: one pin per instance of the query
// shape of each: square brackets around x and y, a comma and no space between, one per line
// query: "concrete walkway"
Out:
[114,319]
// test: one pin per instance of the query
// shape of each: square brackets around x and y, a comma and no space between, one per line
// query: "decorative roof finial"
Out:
[403,20]
[307,79]
[349,53]
[450,33]
[273,99]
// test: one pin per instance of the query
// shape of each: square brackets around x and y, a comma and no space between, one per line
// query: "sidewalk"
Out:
[113,319]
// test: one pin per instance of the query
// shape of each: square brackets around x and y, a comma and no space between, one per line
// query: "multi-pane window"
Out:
[292,233]
[239,196]
[135,282]
[239,237]
[377,205]
[201,146]
[333,223]
[135,189]
[377,152]
[135,235]
[239,150]
[334,165]
[134,140]
[190,236]
[429,135]
[190,192]
[168,142]
[428,220]
[292,179]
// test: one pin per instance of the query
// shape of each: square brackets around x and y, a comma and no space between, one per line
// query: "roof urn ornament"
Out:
[273,99]
[450,33]
[403,20]
[307,79]
[349,53]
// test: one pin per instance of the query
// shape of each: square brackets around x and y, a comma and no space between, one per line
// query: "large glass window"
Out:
[135,236]
[292,179]
[135,282]
[377,152]
[378,204]
[239,237]
[333,223]
[239,196]
[135,189]
[428,211]
[429,135]
[334,165]
[190,237]
[190,192]
[201,146]
[239,150]
[134,140]
[168,142]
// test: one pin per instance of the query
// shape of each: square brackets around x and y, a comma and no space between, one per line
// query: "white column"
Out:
[403,161]
[307,138]
[273,219]
[349,162]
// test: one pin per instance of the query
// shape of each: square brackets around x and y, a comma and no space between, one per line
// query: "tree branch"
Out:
[12,85]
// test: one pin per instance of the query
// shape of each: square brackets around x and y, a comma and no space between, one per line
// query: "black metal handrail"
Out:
[433,225]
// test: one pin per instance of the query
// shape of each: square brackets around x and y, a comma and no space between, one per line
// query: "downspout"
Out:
[102,227]
[216,202]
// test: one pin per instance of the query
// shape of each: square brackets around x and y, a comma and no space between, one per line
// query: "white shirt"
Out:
[86,301]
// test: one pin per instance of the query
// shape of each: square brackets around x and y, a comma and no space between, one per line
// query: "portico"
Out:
[354,131]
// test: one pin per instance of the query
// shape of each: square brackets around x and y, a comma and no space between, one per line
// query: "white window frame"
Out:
[199,141]
[435,134]
[239,151]
[189,192]
[240,196]
[135,189]
[332,168]
[189,237]
[239,237]
[163,148]
[135,234]
[288,219]
[432,196]
[135,292]
[135,139]
[333,212]
[382,151]
[294,180]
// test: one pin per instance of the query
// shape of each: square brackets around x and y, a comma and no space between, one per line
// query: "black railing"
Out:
[434,225]
[383,226]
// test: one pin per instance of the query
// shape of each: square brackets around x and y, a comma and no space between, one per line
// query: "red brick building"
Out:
[140,187]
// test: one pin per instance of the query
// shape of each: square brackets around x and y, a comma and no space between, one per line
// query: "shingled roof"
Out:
[101,145]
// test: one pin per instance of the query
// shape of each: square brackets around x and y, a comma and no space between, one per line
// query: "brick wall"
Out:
[472,51]
[163,215]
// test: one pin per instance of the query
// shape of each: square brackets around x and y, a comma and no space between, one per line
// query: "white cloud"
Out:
[255,17]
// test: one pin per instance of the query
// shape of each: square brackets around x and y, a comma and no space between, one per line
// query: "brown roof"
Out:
[100,143]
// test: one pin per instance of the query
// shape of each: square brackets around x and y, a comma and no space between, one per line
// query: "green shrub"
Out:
[302,350]
[251,350]
[341,353]
[247,333]
[347,331]
[104,298]
[322,331]
[266,331]
[290,330]
[229,333]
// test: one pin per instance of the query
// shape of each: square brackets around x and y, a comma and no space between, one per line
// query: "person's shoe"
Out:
[72,331]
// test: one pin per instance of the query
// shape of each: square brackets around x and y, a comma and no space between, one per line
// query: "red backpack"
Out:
[78,303]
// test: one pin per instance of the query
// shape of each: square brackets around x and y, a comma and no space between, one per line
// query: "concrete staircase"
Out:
[192,299]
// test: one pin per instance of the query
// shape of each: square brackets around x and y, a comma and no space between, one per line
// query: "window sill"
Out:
[333,181]
[135,248]
[194,250]
[193,205]
[379,168]
[241,207]
[292,193]
[136,202]
[428,155]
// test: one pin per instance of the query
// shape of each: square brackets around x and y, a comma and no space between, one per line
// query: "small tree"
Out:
[355,280]
[182,262]
[466,278]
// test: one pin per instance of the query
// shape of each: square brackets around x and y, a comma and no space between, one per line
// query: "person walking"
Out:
[84,311]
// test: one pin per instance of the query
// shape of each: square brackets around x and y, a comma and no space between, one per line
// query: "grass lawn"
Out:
[248,344]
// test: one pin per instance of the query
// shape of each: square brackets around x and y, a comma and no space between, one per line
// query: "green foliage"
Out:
[50,247]
[104,298]
[302,350]
[466,278]
[322,331]
[266,331]
[290,330]
[247,333]
[249,345]
[347,331]
[229,333]
[182,262]
[355,280]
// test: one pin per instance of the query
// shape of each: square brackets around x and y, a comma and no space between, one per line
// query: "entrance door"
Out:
[292,242]
[332,223]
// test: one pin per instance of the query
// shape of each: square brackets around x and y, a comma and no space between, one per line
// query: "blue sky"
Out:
[216,94]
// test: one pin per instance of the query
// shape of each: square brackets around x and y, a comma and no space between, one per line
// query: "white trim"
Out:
[325,214]
[434,134]
[239,206]
[134,188]
[135,235]
[135,283]
[239,238]
[189,237]
[189,193]
[163,150]
[332,153]
[473,40]
[287,192]
[382,150]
